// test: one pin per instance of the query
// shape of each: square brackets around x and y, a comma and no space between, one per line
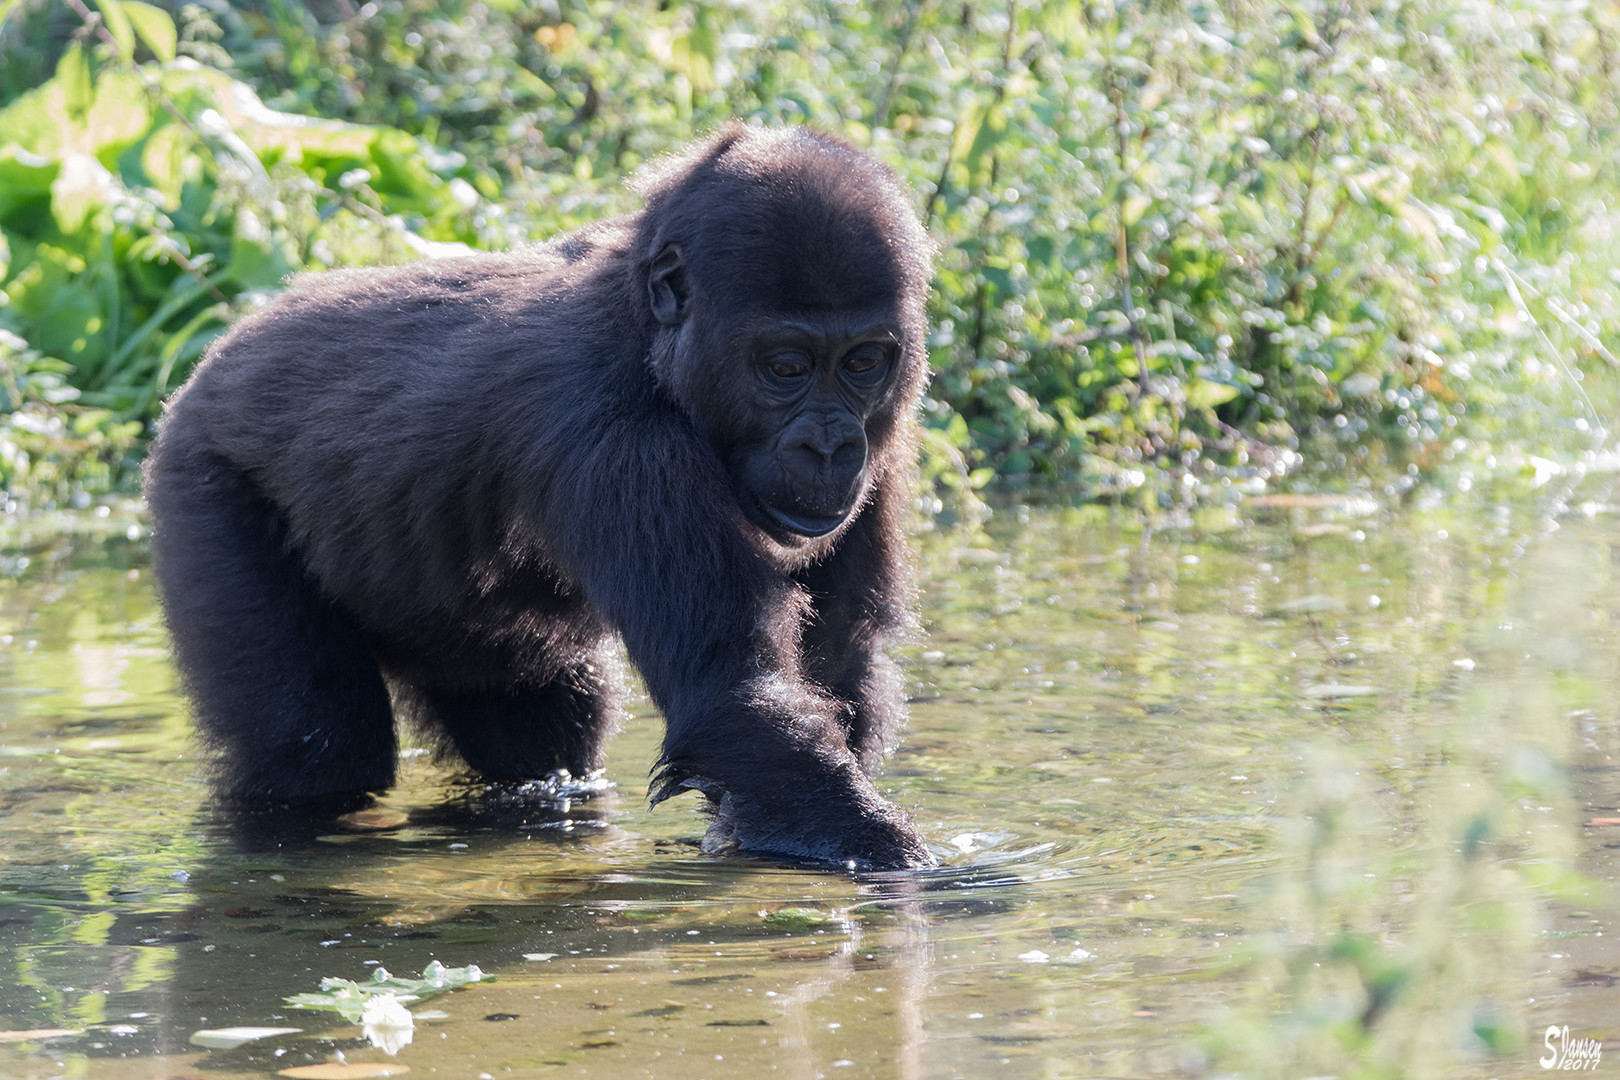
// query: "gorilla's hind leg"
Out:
[526,732]
[283,686]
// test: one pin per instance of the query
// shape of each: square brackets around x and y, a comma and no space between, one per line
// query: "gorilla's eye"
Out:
[867,360]
[787,366]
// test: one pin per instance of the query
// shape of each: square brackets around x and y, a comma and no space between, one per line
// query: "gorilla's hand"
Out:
[854,827]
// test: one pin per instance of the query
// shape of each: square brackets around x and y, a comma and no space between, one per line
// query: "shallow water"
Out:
[1263,790]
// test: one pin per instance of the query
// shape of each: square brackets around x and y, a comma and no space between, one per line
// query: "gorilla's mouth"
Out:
[804,524]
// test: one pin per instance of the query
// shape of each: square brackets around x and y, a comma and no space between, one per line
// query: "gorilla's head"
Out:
[785,277]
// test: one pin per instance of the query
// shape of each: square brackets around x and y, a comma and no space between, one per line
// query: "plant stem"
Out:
[1122,245]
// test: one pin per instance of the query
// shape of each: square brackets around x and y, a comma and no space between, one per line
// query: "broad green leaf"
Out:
[999,278]
[117,23]
[167,160]
[992,130]
[73,75]
[83,187]
[37,121]
[154,26]
[529,82]
[24,177]
[693,52]
[118,115]
[258,257]
[1203,394]
[50,294]
[967,132]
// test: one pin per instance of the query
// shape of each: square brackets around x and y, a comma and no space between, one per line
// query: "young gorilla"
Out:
[692,426]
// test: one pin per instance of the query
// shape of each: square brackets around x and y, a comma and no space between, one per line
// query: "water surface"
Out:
[1320,788]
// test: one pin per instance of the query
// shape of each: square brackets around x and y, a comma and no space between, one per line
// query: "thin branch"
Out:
[880,111]
[1511,280]
[1122,245]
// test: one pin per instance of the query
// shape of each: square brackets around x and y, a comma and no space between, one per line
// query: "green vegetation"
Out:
[1172,235]
[349,998]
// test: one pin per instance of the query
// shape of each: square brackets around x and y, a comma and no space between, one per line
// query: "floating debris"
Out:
[348,998]
[232,1037]
[387,1024]
[1327,691]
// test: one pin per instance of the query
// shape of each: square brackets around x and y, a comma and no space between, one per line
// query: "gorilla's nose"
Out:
[830,444]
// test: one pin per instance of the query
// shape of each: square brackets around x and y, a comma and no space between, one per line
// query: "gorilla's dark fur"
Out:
[446,486]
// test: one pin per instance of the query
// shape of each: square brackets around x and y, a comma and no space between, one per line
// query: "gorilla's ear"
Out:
[666,286]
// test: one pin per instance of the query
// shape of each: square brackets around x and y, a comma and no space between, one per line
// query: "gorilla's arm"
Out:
[862,597]
[657,542]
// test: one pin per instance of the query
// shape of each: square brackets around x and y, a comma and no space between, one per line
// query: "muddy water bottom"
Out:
[1321,787]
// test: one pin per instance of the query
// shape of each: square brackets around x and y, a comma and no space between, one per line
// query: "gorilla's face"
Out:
[814,387]
[797,359]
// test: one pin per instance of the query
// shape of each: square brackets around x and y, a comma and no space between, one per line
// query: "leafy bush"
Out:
[140,206]
[1171,233]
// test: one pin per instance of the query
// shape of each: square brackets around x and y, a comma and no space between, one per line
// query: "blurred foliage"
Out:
[1173,235]
[143,205]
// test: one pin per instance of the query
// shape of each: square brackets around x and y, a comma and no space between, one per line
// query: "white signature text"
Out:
[1566,1053]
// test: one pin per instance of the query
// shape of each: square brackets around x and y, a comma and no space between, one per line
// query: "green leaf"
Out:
[154,26]
[82,187]
[694,50]
[998,277]
[24,177]
[112,13]
[259,258]
[73,75]
[184,290]
[797,919]
[61,311]
[186,345]
[164,159]
[348,998]
[992,129]
[6,8]
[967,132]
[118,116]
[1204,394]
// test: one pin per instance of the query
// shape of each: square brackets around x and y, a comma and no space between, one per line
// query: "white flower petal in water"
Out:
[1034,956]
[387,1024]
[229,1038]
